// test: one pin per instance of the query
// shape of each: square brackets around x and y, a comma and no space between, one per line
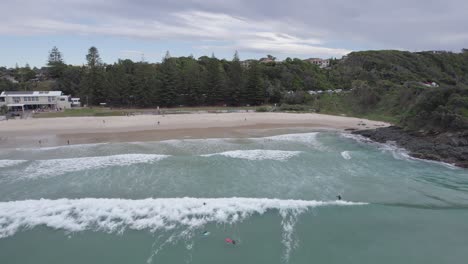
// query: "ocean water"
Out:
[177,201]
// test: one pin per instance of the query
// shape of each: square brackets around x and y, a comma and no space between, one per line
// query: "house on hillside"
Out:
[319,62]
[266,60]
[246,63]
[438,51]
[9,78]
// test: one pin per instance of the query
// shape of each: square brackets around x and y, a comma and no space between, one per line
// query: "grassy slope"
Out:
[98,111]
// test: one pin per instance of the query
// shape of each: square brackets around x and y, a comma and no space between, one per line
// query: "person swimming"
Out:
[230,241]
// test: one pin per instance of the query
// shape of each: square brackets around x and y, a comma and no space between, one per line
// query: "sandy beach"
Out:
[84,130]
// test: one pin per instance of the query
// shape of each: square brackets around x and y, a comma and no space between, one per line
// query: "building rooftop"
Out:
[31,93]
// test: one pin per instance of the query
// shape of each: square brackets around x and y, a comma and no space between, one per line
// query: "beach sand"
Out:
[85,130]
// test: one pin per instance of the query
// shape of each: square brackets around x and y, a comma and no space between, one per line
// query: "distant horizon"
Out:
[278,59]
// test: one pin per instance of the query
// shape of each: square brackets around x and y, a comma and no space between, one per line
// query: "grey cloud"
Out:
[329,28]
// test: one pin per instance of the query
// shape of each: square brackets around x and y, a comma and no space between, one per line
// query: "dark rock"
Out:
[447,147]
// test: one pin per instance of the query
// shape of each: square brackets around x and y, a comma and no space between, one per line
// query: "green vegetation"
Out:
[384,85]
[3,110]
[84,112]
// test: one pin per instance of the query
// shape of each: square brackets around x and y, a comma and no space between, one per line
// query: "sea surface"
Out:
[176,201]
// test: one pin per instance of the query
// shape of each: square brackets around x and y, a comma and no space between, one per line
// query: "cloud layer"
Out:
[296,28]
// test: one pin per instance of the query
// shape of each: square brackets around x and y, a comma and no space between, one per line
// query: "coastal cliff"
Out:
[449,147]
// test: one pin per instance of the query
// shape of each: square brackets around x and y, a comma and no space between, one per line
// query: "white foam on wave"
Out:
[356,137]
[8,163]
[54,167]
[117,215]
[299,137]
[346,155]
[397,152]
[257,154]
[74,146]
[403,154]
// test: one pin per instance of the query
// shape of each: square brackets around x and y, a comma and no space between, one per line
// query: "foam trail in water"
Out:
[257,154]
[300,137]
[74,146]
[116,215]
[396,151]
[346,155]
[8,163]
[54,167]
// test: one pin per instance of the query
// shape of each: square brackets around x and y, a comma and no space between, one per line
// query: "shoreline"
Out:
[90,130]
[450,148]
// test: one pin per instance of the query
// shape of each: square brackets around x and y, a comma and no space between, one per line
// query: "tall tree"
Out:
[254,91]
[55,63]
[93,58]
[190,82]
[235,81]
[168,90]
[215,82]
[93,87]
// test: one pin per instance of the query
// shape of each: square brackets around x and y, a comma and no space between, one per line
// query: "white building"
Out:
[319,62]
[75,102]
[31,100]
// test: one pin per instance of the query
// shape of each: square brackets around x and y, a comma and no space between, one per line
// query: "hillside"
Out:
[418,91]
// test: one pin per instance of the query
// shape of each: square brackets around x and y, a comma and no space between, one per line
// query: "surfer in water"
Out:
[339,197]
[230,241]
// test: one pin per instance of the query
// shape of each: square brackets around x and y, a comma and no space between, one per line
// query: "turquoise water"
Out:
[150,202]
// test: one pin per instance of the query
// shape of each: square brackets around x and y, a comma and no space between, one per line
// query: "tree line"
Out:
[186,81]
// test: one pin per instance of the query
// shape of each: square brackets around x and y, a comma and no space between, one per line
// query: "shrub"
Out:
[295,107]
[3,110]
[262,109]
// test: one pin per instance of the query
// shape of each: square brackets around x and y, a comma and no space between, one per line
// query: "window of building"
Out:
[16,100]
[62,99]
[37,98]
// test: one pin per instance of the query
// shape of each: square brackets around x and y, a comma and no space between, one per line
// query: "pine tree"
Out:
[55,63]
[235,81]
[94,87]
[190,82]
[93,58]
[214,82]
[169,82]
[254,92]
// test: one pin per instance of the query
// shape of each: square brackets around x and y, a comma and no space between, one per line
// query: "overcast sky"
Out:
[294,28]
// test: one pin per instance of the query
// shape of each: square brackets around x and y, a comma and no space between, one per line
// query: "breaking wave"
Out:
[346,155]
[8,163]
[257,154]
[55,167]
[300,137]
[397,152]
[116,215]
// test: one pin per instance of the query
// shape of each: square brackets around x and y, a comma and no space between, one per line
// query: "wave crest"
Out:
[257,154]
[54,167]
[8,163]
[116,215]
